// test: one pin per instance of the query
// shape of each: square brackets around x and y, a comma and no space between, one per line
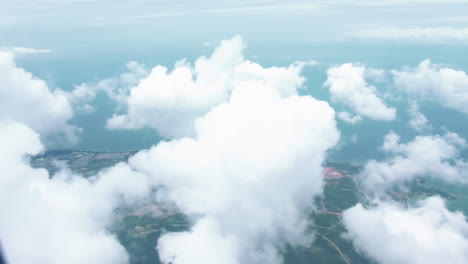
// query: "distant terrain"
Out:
[138,228]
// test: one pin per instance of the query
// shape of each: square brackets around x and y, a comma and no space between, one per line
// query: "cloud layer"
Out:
[24,51]
[246,163]
[424,34]
[242,159]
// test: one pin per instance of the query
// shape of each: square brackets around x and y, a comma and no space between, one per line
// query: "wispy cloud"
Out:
[425,34]
[22,50]
[220,10]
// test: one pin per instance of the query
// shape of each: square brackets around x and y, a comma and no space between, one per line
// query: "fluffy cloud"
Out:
[432,82]
[425,234]
[425,156]
[171,102]
[348,86]
[117,88]
[204,244]
[418,120]
[59,219]
[27,99]
[247,177]
[426,34]
[349,118]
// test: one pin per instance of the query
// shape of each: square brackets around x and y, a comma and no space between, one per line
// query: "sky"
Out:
[233,107]
[388,35]
[100,23]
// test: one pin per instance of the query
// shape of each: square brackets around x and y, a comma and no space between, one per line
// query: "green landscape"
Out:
[138,228]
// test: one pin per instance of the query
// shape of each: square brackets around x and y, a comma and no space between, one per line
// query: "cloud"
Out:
[425,234]
[347,85]
[426,156]
[25,51]
[204,244]
[246,172]
[27,99]
[249,173]
[435,83]
[170,102]
[61,218]
[206,8]
[424,34]
[418,120]
[116,88]
[349,118]
[250,149]
[308,63]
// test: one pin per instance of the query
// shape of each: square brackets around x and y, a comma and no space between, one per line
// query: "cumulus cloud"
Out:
[418,120]
[426,156]
[428,233]
[59,219]
[171,102]
[116,88]
[248,175]
[27,99]
[347,85]
[426,34]
[246,163]
[433,82]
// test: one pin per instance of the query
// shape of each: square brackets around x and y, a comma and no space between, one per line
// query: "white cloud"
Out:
[425,156]
[59,219]
[171,102]
[432,82]
[204,244]
[348,86]
[204,9]
[249,173]
[117,88]
[349,118]
[27,99]
[418,120]
[25,51]
[426,34]
[427,234]
[308,63]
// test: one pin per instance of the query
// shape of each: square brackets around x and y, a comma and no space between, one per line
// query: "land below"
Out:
[138,227]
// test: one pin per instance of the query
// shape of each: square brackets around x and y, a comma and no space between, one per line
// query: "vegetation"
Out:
[139,233]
